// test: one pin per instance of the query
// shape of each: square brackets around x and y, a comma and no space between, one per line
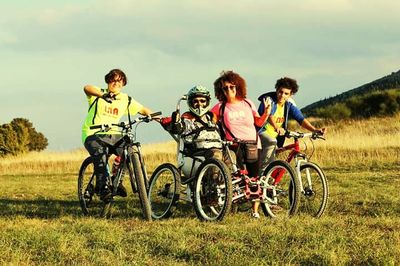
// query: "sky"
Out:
[50,49]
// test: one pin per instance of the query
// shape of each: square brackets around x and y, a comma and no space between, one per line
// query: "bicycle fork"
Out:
[299,160]
[142,165]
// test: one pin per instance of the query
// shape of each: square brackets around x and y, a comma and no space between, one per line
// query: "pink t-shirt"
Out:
[239,118]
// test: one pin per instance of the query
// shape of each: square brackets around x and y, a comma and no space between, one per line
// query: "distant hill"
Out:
[379,97]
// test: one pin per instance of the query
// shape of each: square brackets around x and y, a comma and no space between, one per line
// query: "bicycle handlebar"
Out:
[298,135]
[123,125]
[224,142]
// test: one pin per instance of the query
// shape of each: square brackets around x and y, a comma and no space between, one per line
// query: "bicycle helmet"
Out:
[198,91]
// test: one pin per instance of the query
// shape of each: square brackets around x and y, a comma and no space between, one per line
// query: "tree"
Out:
[20,136]
[38,141]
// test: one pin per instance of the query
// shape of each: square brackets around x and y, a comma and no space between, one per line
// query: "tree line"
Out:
[388,82]
[377,103]
[19,136]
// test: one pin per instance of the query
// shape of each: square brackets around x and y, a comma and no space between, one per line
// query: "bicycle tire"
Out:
[90,203]
[164,191]
[281,199]
[313,200]
[135,173]
[212,197]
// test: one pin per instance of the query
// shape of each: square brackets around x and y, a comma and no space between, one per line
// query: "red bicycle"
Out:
[313,182]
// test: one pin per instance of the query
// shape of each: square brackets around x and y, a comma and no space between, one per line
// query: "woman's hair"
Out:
[231,77]
[288,83]
[116,73]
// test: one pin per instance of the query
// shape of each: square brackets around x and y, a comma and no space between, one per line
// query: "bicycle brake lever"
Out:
[147,119]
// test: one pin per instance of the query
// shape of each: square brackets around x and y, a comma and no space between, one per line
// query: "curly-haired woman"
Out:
[238,116]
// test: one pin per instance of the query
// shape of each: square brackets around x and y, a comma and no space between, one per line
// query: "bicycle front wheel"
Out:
[89,201]
[136,174]
[165,183]
[315,192]
[212,190]
[281,190]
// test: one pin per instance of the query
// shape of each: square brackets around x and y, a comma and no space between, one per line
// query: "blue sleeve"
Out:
[261,107]
[296,114]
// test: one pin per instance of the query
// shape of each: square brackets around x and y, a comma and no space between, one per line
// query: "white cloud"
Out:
[167,46]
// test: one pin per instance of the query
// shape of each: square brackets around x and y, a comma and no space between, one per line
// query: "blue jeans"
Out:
[268,151]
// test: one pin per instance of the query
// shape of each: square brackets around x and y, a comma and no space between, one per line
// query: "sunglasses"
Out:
[194,101]
[230,87]
[117,80]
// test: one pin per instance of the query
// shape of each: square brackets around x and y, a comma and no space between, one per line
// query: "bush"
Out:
[335,112]
[20,136]
[377,103]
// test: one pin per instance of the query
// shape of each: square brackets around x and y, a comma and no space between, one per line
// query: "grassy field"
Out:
[41,222]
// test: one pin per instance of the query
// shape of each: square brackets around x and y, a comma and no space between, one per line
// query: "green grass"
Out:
[41,223]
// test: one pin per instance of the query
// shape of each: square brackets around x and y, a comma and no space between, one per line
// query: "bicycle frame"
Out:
[128,141]
[295,153]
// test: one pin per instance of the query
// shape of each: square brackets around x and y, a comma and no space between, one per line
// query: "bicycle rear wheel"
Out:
[89,201]
[165,184]
[315,192]
[212,190]
[136,174]
[281,190]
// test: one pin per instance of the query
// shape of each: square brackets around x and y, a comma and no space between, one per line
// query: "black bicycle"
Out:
[131,160]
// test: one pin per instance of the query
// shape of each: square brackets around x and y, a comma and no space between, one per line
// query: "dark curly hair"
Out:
[231,77]
[116,73]
[288,83]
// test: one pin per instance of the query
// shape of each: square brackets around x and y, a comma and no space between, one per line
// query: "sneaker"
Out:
[121,191]
[255,215]
[105,193]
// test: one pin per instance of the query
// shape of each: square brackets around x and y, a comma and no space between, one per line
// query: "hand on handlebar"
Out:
[153,116]
[320,131]
[281,131]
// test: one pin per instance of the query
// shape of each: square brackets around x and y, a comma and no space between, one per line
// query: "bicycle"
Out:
[130,159]
[277,199]
[313,182]
[213,189]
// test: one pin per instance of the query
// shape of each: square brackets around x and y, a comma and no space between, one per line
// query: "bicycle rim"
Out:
[164,191]
[315,192]
[91,204]
[212,191]
[280,199]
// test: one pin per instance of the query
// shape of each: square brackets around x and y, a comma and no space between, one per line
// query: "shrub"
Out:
[19,136]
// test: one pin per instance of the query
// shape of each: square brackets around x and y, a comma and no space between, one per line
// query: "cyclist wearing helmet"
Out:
[197,125]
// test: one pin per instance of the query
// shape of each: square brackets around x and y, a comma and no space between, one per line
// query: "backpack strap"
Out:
[221,113]
[94,103]
[129,113]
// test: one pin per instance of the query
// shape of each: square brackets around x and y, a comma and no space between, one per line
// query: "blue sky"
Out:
[50,49]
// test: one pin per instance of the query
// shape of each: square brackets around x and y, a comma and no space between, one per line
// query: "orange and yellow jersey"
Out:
[279,118]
